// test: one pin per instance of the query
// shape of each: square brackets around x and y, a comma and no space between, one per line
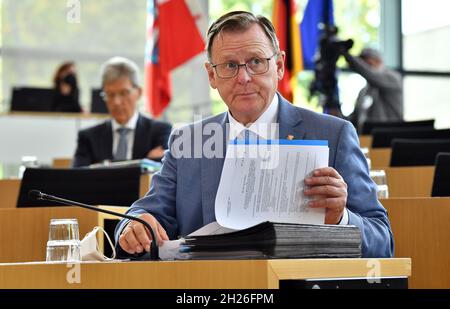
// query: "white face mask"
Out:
[89,247]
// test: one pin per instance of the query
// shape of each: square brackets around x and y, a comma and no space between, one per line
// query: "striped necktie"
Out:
[122,146]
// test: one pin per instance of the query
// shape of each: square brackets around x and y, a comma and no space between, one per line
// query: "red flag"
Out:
[288,35]
[173,38]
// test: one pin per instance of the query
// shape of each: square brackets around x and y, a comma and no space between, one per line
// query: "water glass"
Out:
[27,161]
[63,241]
[379,177]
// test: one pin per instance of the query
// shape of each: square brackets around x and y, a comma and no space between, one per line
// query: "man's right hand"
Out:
[135,238]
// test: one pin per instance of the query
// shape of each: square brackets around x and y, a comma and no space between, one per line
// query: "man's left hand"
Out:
[328,190]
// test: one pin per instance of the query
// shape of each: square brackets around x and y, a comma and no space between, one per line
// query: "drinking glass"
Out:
[379,177]
[63,243]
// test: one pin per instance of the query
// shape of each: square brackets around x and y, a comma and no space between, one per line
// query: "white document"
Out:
[170,249]
[265,182]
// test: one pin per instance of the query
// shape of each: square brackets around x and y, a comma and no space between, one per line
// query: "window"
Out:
[426,41]
[39,35]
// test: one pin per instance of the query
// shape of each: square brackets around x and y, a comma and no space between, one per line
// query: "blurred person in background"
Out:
[66,93]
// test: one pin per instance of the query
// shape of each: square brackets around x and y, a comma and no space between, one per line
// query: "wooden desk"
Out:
[380,157]
[414,181]
[62,162]
[365,141]
[242,274]
[9,190]
[422,232]
[24,231]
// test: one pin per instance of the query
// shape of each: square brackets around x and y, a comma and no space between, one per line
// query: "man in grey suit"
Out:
[245,64]
[129,134]
[382,98]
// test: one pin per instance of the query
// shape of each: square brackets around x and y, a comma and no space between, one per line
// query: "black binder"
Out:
[270,240]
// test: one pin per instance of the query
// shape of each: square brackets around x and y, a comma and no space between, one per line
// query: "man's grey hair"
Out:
[120,67]
[240,21]
[370,53]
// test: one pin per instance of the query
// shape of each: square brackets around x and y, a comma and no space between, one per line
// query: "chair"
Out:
[32,99]
[99,186]
[98,105]
[382,137]
[368,126]
[417,152]
[441,181]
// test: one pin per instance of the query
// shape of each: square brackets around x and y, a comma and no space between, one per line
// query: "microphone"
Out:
[38,195]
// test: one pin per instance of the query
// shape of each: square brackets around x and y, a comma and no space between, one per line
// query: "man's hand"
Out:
[156,153]
[328,190]
[135,238]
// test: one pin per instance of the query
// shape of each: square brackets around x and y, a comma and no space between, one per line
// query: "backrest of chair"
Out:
[98,105]
[441,182]
[382,137]
[32,99]
[420,152]
[99,186]
[368,126]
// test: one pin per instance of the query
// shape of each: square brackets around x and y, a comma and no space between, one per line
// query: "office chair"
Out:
[441,181]
[382,137]
[32,99]
[99,186]
[98,105]
[416,152]
[368,126]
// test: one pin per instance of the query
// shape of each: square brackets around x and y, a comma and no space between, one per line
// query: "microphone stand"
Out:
[154,254]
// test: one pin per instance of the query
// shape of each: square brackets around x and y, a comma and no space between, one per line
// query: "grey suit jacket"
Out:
[384,87]
[182,194]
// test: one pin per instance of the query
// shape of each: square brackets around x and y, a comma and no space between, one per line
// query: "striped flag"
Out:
[172,39]
[288,34]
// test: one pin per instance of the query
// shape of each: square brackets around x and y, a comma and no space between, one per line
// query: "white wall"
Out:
[44,136]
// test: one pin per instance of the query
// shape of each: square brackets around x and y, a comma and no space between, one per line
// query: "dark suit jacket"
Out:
[95,144]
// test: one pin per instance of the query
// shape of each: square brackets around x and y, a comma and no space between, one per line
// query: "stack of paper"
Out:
[145,164]
[269,240]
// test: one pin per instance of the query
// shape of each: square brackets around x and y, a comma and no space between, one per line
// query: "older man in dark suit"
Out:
[128,135]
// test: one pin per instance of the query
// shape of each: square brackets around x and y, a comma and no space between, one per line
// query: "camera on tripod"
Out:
[325,81]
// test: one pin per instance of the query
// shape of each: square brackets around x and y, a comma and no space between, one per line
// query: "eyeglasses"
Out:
[122,94]
[254,66]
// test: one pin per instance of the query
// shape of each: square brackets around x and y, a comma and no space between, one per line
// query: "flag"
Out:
[172,39]
[288,33]
[316,12]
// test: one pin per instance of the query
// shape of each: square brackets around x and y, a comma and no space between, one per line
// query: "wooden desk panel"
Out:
[410,181]
[422,232]
[380,157]
[365,141]
[62,162]
[242,274]
[24,231]
[9,191]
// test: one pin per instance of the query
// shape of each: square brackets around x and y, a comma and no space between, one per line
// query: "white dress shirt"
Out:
[262,127]
[131,125]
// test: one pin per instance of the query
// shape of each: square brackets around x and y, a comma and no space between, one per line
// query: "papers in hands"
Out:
[265,182]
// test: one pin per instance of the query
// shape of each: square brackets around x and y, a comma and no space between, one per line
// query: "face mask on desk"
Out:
[89,247]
